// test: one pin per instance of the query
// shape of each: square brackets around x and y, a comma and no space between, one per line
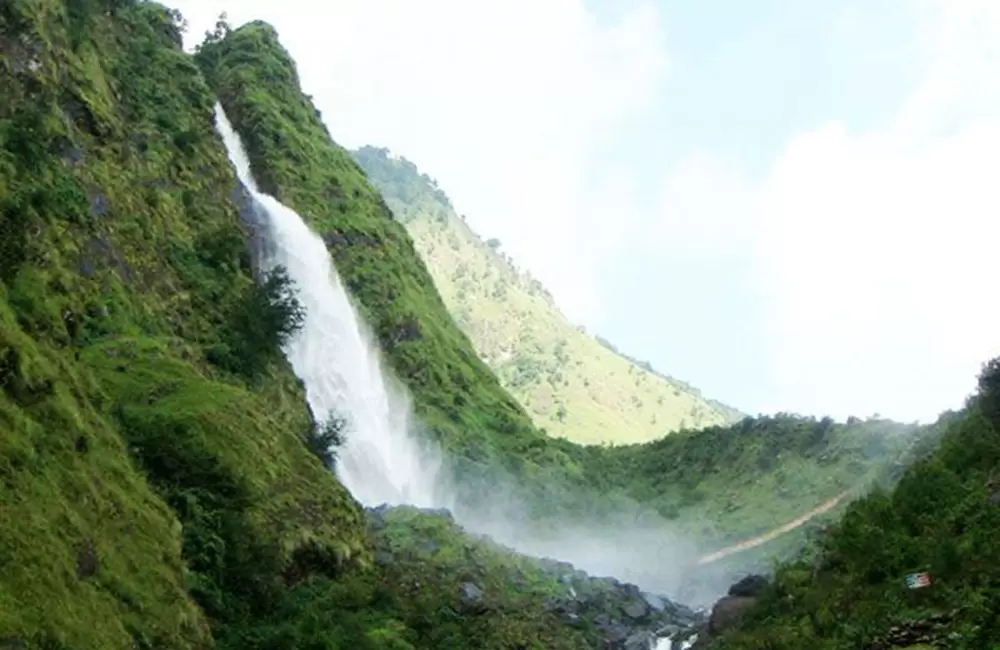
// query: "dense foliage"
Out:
[943,517]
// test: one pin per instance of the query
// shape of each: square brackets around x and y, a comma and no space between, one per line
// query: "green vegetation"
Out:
[739,481]
[163,484]
[159,479]
[150,497]
[942,517]
[573,385]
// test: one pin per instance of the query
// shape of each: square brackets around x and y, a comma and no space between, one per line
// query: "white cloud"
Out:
[873,251]
[705,210]
[506,104]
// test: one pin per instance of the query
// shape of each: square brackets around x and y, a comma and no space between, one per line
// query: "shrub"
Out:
[324,439]
[260,326]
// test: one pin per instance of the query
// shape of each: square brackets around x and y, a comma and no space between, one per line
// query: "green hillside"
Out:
[943,517]
[572,384]
[153,483]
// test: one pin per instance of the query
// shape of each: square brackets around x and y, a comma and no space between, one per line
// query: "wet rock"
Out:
[729,612]
[98,205]
[71,153]
[994,490]
[471,593]
[642,640]
[656,603]
[441,512]
[336,239]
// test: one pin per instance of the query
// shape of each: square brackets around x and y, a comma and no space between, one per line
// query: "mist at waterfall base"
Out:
[383,460]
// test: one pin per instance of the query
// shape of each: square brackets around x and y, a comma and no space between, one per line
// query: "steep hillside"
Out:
[294,159]
[572,384]
[154,474]
[943,517]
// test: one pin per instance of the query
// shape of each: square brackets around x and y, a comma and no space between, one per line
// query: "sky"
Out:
[790,205]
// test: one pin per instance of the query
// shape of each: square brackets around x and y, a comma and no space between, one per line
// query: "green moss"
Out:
[89,556]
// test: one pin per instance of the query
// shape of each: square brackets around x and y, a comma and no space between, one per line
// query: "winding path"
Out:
[772,534]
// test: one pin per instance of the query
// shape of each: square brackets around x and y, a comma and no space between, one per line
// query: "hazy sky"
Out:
[792,205]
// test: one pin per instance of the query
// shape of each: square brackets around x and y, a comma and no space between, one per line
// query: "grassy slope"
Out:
[728,483]
[121,265]
[481,426]
[942,516]
[571,384]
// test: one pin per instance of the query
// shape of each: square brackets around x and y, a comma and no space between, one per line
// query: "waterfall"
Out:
[336,357]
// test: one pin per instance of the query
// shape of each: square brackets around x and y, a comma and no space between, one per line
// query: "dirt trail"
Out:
[772,534]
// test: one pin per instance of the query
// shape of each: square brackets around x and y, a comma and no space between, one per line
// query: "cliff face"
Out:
[123,279]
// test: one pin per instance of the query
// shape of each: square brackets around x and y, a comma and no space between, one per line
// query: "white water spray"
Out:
[335,356]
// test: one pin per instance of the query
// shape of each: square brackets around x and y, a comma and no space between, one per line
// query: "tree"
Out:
[325,439]
[989,390]
[260,326]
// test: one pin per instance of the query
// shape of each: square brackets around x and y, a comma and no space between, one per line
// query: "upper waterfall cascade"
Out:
[338,361]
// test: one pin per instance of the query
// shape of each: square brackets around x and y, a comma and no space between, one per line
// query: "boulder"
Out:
[728,613]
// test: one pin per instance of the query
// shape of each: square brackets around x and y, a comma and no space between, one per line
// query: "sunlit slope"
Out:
[572,384]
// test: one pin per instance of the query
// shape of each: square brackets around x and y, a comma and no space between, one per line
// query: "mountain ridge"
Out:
[574,385]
